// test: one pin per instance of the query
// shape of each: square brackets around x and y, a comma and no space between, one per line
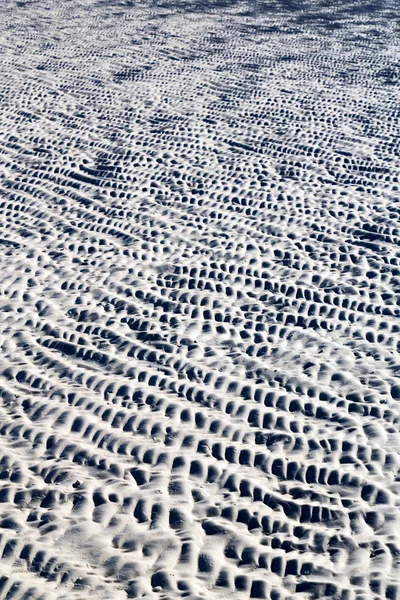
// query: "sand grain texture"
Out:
[199,244]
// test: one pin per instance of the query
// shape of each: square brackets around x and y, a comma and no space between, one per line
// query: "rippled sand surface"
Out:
[200,300]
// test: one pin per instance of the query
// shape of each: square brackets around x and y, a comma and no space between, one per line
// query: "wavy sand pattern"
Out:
[200,304]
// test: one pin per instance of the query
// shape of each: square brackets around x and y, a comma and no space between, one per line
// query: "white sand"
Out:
[200,300]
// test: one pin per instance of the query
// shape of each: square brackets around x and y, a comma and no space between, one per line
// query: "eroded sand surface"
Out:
[200,277]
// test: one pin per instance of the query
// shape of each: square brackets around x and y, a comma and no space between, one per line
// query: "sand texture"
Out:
[199,300]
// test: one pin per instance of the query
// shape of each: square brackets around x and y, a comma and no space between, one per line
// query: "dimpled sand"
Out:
[200,300]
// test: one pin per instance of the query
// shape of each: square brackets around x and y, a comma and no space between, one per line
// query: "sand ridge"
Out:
[199,233]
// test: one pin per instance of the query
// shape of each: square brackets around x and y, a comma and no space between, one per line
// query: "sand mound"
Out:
[199,233]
